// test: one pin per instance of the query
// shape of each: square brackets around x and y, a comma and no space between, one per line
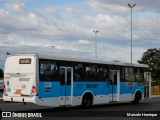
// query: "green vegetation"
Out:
[152,58]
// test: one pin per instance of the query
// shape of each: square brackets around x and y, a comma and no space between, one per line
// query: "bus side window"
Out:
[79,72]
[97,74]
[129,74]
[139,75]
[48,70]
[93,73]
[142,75]
[102,73]
[122,74]
[76,74]
[88,73]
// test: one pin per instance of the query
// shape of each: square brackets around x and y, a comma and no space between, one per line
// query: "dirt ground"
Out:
[155,90]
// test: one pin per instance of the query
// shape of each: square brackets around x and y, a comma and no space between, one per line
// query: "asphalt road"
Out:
[110,111]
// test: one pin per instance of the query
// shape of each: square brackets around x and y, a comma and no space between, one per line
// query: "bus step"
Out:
[65,105]
[113,102]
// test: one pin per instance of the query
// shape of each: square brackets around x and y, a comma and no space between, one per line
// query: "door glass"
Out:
[62,76]
[115,77]
[146,84]
[110,77]
[68,76]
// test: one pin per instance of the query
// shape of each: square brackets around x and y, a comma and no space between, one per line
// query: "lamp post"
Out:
[95,31]
[52,49]
[131,27]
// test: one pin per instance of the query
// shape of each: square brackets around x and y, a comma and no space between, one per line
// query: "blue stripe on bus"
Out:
[97,88]
[54,89]
[130,89]
[49,89]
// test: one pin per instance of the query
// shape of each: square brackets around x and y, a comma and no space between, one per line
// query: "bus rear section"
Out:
[20,78]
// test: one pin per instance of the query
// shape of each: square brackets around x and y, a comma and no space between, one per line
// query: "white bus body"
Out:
[25,79]
[20,78]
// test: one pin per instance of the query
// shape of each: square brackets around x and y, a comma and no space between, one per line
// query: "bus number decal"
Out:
[130,84]
[92,85]
[24,79]
[79,86]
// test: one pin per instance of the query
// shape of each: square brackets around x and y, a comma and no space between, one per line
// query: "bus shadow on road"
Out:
[111,110]
[79,108]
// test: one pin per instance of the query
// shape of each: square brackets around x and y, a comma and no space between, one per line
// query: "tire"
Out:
[87,101]
[136,99]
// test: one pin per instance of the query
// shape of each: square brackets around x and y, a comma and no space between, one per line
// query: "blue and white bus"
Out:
[62,81]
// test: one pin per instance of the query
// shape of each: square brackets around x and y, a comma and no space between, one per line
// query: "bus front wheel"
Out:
[137,97]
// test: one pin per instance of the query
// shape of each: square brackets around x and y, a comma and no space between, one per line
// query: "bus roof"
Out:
[92,61]
[76,59]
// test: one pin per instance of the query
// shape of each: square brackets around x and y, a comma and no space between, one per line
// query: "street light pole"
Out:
[52,49]
[131,27]
[95,31]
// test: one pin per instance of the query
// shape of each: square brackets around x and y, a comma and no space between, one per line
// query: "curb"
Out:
[155,96]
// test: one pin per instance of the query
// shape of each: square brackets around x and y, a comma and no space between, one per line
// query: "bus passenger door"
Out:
[147,85]
[66,86]
[115,84]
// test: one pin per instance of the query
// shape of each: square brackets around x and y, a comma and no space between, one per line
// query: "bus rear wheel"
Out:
[87,100]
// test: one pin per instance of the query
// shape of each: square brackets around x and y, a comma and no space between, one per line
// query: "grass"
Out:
[155,90]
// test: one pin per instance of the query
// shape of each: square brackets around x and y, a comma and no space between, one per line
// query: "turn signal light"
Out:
[4,89]
[33,89]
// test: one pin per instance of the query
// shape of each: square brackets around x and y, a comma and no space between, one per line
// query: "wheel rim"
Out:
[86,102]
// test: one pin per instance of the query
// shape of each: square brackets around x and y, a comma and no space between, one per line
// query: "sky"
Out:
[33,26]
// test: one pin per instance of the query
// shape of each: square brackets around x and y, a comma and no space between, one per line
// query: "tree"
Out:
[1,73]
[152,58]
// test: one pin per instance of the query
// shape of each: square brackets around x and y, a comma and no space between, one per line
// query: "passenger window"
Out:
[139,74]
[129,74]
[48,70]
[102,73]
[88,73]
[122,74]
[79,72]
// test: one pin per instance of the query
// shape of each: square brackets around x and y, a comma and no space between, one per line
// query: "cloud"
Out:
[72,11]
[84,42]
[51,9]
[70,28]
[106,7]
[16,8]
[121,6]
